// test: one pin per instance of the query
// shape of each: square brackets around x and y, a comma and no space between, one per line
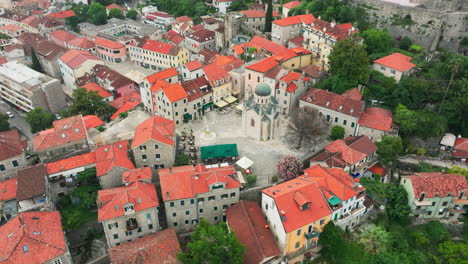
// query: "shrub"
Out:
[274,179]
[421,151]
[101,128]
[337,132]
[251,179]
[182,159]
[289,167]
[123,115]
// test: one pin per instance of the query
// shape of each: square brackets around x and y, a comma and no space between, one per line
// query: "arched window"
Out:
[252,123]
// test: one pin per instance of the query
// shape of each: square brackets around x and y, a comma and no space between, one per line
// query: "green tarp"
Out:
[334,200]
[219,151]
[187,116]
[208,105]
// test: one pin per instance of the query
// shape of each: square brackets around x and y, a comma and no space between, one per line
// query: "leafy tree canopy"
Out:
[420,123]
[397,206]
[377,41]
[213,244]
[88,103]
[97,14]
[132,14]
[388,149]
[337,132]
[39,119]
[4,125]
[116,13]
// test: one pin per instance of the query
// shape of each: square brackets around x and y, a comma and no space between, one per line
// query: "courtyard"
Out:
[265,154]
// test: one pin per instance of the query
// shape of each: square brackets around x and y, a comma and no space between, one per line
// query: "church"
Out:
[261,114]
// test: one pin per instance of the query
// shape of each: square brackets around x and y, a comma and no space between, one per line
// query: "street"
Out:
[19,119]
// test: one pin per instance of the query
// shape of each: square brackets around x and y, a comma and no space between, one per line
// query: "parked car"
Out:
[10,114]
[58,117]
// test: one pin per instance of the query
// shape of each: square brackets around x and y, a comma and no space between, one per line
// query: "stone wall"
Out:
[435,23]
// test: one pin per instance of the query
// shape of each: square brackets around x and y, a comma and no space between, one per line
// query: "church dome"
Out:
[262,89]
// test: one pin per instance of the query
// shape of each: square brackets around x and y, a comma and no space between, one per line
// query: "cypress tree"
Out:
[269,16]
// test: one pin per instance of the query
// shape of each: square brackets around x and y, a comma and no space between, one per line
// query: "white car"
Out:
[10,114]
[58,117]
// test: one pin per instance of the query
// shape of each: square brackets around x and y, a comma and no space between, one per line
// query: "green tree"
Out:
[420,123]
[39,119]
[375,188]
[405,43]
[81,12]
[97,14]
[458,170]
[337,132]
[182,159]
[36,65]
[332,238]
[132,14]
[377,41]
[397,207]
[251,179]
[454,252]
[238,6]
[4,125]
[388,150]
[269,16]
[213,244]
[88,103]
[348,65]
[116,13]
[375,240]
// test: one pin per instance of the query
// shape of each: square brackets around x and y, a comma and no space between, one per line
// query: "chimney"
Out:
[283,216]
[333,24]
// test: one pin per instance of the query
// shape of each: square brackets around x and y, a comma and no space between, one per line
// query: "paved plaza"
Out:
[264,154]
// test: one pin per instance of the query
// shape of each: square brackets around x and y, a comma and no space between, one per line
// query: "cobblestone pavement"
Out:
[264,154]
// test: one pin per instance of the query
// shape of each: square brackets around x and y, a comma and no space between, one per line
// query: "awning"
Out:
[221,104]
[219,151]
[240,107]
[230,99]
[208,105]
[241,177]
[187,116]
[334,200]
[244,163]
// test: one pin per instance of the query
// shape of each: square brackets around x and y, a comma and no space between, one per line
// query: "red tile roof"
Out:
[160,47]
[333,182]
[32,238]
[312,71]
[173,37]
[335,102]
[75,58]
[460,148]
[163,75]
[62,14]
[161,247]
[92,121]
[156,128]
[283,194]
[108,43]
[187,181]
[196,28]
[216,75]
[159,84]
[193,65]
[174,92]
[202,35]
[11,144]
[92,86]
[228,63]
[377,169]
[64,131]
[111,202]
[264,44]
[377,118]
[124,108]
[112,155]
[71,163]
[432,183]
[121,8]
[3,60]
[140,174]
[264,65]
[339,32]
[292,4]
[352,149]
[397,61]
[353,94]
[121,101]
[31,182]
[246,220]
[8,189]
[295,20]
[298,41]
[62,35]
[193,88]
[82,42]
[183,19]
[257,13]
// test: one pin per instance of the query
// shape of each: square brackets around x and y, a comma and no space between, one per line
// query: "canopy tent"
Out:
[221,104]
[230,99]
[244,163]
[448,140]
[240,107]
[219,151]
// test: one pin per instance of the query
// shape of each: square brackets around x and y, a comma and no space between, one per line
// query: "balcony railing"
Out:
[132,224]
[312,234]
[352,213]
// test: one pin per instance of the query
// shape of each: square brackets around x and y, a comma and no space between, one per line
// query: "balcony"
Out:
[422,203]
[353,213]
[312,234]
[461,201]
[457,209]
[132,224]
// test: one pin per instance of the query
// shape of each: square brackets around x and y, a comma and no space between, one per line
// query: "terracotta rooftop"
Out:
[187,181]
[8,189]
[32,238]
[174,37]
[62,14]
[312,71]
[64,131]
[140,174]
[193,65]
[292,4]
[92,121]
[183,19]
[377,118]
[31,182]
[335,102]
[75,58]
[82,42]
[160,47]
[92,86]
[126,106]
[353,94]
[111,77]
[112,155]
[161,247]
[285,194]
[246,220]
[174,92]
[108,43]
[163,75]
[338,32]
[216,75]
[71,163]
[193,88]
[460,147]
[111,202]
[62,35]
[352,149]
[121,8]
[118,103]
[156,128]
[295,20]
[437,183]
[397,61]
[202,35]
[11,144]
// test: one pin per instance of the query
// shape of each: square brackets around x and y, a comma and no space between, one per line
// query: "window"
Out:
[215,218]
[128,233]
[433,203]
[328,117]
[211,198]
[186,222]
[297,244]
[336,119]
[174,214]
[201,210]
[215,208]
[143,147]
[158,156]
[139,230]
[382,68]
[156,146]
[187,212]
[15,163]
[144,157]
[225,206]
[182,203]
[344,122]
[233,194]
[192,201]
[2,167]
[444,203]
[174,224]
[298,233]
[393,71]
[252,123]
[429,213]
[171,204]
[148,216]
[57,261]
[116,236]
[322,221]
[150,226]
[352,124]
